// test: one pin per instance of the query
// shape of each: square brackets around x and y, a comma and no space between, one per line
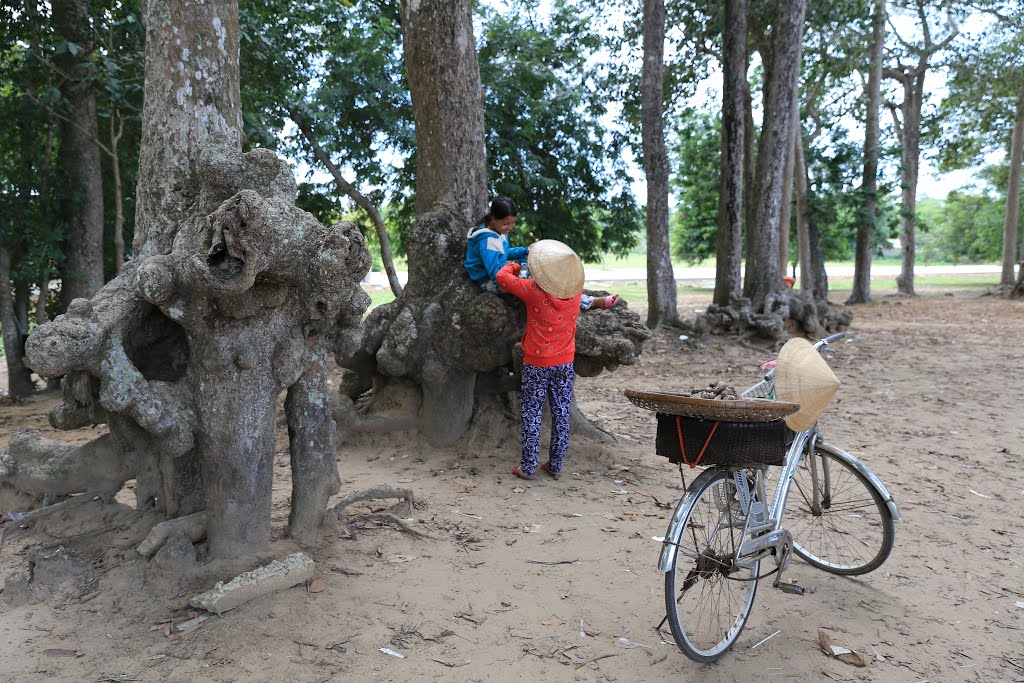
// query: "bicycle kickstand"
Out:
[783,564]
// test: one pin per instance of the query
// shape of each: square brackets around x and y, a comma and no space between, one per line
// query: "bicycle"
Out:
[725,525]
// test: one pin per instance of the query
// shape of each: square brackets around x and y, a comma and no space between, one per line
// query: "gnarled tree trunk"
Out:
[443,344]
[232,297]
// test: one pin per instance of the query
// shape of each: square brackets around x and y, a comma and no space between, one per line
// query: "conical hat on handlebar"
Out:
[802,376]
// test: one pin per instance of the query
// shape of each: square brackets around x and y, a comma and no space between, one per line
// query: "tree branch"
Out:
[895,119]
[385,243]
[92,138]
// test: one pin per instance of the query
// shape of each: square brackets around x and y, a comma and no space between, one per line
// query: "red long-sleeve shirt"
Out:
[550,337]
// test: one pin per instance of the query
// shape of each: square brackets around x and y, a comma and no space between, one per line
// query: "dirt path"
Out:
[931,400]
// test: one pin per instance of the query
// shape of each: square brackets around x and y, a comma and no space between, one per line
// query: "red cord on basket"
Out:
[682,448]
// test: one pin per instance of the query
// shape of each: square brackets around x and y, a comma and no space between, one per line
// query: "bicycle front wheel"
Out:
[710,592]
[839,521]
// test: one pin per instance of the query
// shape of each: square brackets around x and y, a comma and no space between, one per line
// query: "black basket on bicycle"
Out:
[731,433]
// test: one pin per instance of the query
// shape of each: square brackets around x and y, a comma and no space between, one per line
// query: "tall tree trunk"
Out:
[43,212]
[19,377]
[451,181]
[192,100]
[115,167]
[79,157]
[1013,196]
[861,292]
[816,258]
[763,280]
[447,101]
[661,281]
[749,171]
[729,241]
[786,209]
[808,283]
[910,159]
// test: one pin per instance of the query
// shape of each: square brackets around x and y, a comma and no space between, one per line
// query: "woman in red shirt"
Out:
[552,300]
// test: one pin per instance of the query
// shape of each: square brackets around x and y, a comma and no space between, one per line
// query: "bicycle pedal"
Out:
[794,588]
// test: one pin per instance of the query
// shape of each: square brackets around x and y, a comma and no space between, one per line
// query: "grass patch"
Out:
[635,291]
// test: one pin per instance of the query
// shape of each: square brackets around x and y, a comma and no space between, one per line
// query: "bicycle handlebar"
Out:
[828,340]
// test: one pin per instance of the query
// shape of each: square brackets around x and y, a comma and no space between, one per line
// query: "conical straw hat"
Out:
[556,268]
[802,376]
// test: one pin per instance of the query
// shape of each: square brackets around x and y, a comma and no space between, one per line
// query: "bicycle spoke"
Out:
[851,531]
[711,592]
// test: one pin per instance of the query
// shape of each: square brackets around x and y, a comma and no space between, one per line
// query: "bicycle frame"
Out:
[775,536]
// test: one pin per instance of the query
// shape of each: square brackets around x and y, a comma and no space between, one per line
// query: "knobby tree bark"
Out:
[861,292]
[233,296]
[661,281]
[79,156]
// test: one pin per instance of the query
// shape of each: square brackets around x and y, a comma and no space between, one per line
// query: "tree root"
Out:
[378,492]
[193,526]
[397,521]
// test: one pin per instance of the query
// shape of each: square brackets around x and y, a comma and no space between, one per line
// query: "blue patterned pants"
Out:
[553,384]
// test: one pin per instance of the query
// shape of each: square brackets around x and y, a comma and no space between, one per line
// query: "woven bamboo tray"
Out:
[740,410]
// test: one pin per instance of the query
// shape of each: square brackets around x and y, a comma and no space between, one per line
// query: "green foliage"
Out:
[32,107]
[986,90]
[696,154]
[966,227]
[338,65]
[27,157]
[545,94]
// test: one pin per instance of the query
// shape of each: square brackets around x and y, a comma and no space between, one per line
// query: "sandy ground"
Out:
[931,400]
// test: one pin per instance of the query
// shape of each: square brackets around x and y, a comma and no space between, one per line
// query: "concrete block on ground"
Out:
[276,576]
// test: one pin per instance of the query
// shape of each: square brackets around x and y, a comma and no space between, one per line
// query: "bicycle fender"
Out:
[868,474]
[675,526]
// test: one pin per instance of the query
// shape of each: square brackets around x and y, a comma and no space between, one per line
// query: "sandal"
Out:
[516,471]
[547,470]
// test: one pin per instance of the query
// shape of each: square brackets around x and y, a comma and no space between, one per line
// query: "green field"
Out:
[636,291]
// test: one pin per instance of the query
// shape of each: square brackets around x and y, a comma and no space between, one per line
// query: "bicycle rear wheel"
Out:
[847,528]
[709,594]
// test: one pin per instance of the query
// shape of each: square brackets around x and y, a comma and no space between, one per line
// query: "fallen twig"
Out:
[599,657]
[553,563]
[397,521]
